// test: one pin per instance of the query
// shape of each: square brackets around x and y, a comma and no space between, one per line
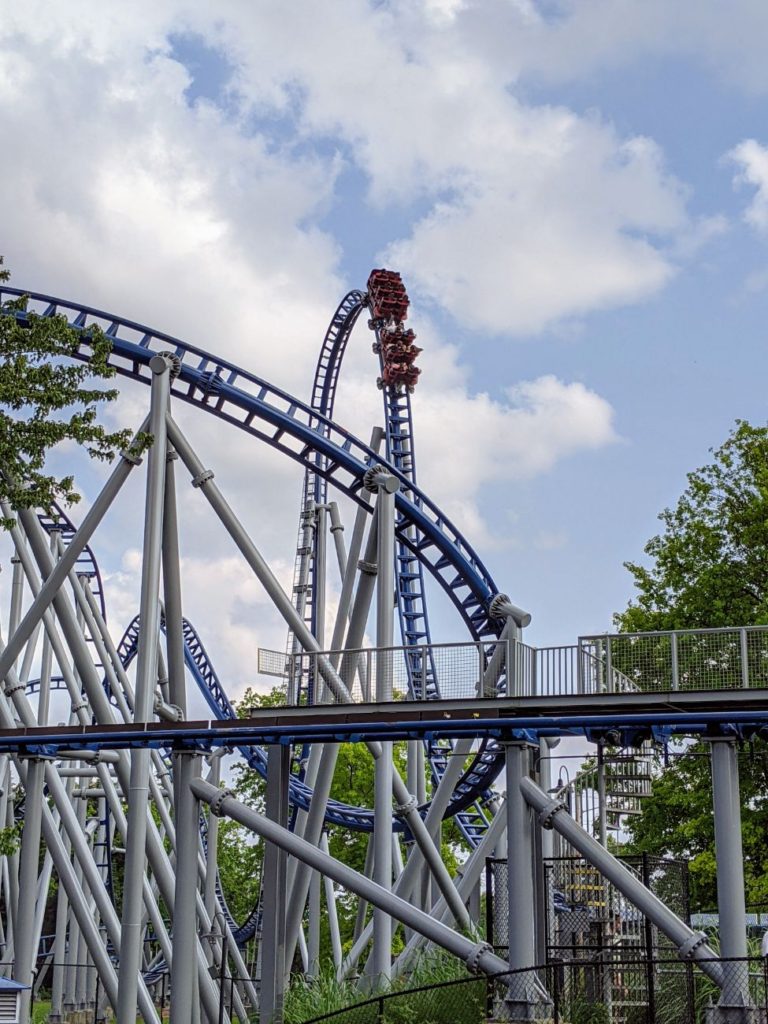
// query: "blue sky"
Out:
[575,193]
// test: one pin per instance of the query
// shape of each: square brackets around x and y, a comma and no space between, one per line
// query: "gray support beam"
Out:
[273,965]
[319,589]
[44,693]
[477,955]
[146,677]
[81,950]
[172,590]
[17,597]
[524,994]
[211,853]
[386,486]
[55,580]
[184,992]
[60,937]
[43,886]
[333,917]
[731,909]
[690,945]
[25,950]
[348,564]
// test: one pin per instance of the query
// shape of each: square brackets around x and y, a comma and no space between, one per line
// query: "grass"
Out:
[458,1004]
[40,1012]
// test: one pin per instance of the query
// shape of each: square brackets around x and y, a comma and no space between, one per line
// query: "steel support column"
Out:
[184,990]
[731,909]
[690,945]
[146,677]
[386,486]
[273,965]
[25,950]
[524,997]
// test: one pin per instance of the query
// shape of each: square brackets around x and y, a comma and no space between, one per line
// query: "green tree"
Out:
[708,568]
[47,398]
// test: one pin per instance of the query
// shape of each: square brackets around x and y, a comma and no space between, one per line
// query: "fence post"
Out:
[649,957]
[744,658]
[609,666]
[579,667]
[511,666]
[675,665]
[489,894]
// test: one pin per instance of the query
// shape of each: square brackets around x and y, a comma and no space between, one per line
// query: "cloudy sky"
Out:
[576,195]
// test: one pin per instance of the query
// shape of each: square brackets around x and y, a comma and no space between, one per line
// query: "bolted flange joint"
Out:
[202,478]
[135,460]
[691,944]
[403,810]
[475,955]
[547,814]
[369,568]
[218,800]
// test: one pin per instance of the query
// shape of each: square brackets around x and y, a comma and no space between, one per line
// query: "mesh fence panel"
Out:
[710,659]
[461,671]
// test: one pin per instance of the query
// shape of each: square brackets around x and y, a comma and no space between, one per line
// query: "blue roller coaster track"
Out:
[329,454]
[411,592]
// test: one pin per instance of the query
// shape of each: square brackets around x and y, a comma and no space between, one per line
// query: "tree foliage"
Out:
[47,398]
[708,568]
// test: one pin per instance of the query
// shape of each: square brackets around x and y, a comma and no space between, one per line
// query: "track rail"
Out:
[411,595]
[293,428]
[337,457]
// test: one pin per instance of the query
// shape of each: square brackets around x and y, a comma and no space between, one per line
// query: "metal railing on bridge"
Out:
[664,661]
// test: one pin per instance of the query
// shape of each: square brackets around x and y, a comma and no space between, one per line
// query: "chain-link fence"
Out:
[584,914]
[462,1001]
[612,990]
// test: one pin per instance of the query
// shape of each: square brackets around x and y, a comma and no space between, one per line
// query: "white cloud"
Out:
[574,38]
[467,442]
[211,222]
[532,213]
[752,158]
